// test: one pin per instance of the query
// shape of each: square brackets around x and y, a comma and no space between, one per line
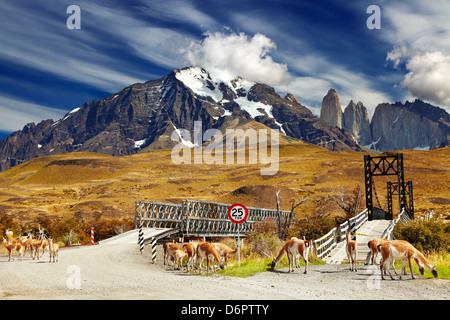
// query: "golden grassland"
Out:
[90,184]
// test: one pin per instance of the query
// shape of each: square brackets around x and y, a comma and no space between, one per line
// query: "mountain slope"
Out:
[89,185]
[143,116]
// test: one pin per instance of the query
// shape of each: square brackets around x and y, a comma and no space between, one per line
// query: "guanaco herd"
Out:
[24,244]
[197,252]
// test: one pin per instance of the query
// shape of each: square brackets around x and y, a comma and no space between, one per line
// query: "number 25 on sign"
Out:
[238,213]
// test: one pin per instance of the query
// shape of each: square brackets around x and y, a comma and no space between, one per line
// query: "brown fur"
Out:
[177,256]
[292,248]
[53,250]
[351,247]
[224,250]
[191,251]
[400,249]
[168,250]
[207,250]
[13,246]
[373,246]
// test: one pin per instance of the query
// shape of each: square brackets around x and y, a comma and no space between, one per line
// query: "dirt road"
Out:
[116,270]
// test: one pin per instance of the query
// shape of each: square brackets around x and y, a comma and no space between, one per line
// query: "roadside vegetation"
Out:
[68,231]
[432,238]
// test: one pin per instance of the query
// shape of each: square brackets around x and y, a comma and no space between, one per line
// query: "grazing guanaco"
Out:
[351,248]
[373,245]
[292,248]
[405,251]
[207,250]
[177,256]
[224,250]
[168,249]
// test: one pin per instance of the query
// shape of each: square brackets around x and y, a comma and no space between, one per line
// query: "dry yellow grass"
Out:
[87,184]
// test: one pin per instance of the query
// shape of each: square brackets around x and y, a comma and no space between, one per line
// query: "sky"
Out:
[48,68]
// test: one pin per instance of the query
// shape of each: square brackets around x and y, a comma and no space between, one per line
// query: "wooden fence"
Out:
[328,242]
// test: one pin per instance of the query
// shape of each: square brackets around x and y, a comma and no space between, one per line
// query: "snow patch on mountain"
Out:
[200,82]
[205,85]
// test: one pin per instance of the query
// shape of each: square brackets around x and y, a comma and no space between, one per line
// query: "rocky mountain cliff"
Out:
[355,120]
[413,125]
[331,111]
[143,117]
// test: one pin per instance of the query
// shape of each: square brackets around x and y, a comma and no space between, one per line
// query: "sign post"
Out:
[238,213]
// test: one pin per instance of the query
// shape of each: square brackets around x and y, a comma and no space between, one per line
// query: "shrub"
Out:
[312,227]
[431,235]
[264,240]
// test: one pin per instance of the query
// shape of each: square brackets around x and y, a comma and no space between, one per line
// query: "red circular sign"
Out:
[238,213]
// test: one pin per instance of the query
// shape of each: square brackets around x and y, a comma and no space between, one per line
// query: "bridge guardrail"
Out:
[202,218]
[328,242]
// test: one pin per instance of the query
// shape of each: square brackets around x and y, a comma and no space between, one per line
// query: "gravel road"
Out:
[116,270]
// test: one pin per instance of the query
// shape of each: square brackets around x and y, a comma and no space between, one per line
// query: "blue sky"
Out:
[302,47]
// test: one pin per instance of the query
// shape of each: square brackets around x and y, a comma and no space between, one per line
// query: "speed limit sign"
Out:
[238,213]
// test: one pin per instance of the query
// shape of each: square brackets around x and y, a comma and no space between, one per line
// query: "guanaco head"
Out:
[222,266]
[434,271]
[273,264]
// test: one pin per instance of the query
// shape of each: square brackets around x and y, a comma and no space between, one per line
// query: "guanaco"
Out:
[292,248]
[207,250]
[13,246]
[405,251]
[351,248]
[224,250]
[53,250]
[168,249]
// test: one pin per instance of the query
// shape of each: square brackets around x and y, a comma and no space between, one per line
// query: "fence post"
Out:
[153,250]
[92,235]
[141,237]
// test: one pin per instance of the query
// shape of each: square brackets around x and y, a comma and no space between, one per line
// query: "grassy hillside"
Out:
[87,185]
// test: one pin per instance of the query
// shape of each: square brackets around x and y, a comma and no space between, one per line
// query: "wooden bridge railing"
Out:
[328,242]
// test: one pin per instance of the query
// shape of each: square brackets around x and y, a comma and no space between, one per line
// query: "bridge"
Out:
[199,218]
[363,233]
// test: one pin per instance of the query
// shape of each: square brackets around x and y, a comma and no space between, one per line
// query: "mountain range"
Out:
[143,116]
[413,125]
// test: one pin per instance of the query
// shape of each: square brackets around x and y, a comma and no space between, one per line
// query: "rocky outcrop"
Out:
[414,125]
[331,111]
[355,120]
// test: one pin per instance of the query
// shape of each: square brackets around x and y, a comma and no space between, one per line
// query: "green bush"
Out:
[426,236]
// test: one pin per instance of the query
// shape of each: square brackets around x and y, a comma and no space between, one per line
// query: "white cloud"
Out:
[229,55]
[429,77]
[420,34]
[14,119]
